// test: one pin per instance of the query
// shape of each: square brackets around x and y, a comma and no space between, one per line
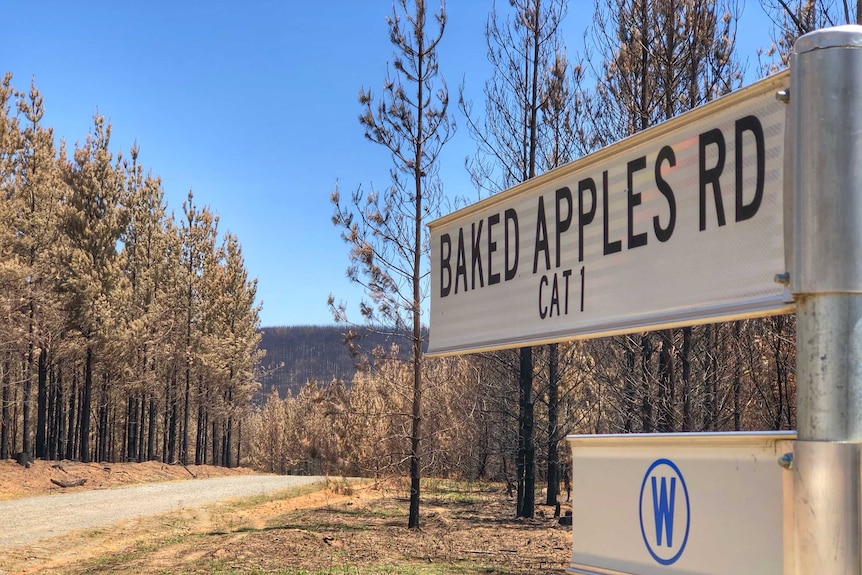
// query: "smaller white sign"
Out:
[700,504]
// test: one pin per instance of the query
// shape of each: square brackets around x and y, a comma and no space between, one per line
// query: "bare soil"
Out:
[17,481]
[339,528]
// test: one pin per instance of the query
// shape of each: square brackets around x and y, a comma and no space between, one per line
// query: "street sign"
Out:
[680,224]
[662,504]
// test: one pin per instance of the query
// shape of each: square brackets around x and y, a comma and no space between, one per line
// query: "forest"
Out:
[133,334]
[504,415]
[129,335]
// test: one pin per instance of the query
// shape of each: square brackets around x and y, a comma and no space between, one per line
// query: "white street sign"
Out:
[680,224]
[699,504]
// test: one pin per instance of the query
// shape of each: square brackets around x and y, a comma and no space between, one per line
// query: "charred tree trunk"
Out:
[415,429]
[238,461]
[227,445]
[166,417]
[60,414]
[111,452]
[172,424]
[102,448]
[216,450]
[526,452]
[129,433]
[184,445]
[184,448]
[86,402]
[42,404]
[141,428]
[50,421]
[519,456]
[200,447]
[27,390]
[5,449]
[553,485]
[72,432]
[14,423]
[151,435]
[206,438]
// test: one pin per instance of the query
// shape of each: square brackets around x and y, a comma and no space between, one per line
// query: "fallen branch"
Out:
[75,483]
[186,467]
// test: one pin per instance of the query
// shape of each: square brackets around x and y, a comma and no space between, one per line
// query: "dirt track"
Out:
[25,521]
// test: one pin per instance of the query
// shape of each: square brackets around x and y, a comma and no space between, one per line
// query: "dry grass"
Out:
[341,529]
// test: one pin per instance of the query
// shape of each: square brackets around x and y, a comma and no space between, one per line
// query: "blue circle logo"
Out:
[665,514]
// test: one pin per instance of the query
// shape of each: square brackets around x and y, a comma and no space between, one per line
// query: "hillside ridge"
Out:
[296,355]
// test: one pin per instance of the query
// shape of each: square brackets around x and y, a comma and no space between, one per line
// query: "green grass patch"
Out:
[444,491]
[379,513]
[311,527]
[290,493]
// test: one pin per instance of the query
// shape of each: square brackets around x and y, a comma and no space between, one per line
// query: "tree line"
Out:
[503,415]
[734,376]
[130,332]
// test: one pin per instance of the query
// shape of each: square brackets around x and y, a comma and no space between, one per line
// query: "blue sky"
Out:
[253,106]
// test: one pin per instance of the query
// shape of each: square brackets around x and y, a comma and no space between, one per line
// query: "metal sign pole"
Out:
[826,279]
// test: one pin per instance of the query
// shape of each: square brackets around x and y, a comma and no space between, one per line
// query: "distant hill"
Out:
[298,354]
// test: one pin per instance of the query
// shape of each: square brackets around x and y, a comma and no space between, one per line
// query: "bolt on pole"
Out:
[826,281]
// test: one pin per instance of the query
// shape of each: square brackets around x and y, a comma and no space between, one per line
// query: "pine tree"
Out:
[236,318]
[386,230]
[199,233]
[9,273]
[95,218]
[149,241]
[38,199]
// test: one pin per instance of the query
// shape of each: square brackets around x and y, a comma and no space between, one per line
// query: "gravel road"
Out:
[24,521]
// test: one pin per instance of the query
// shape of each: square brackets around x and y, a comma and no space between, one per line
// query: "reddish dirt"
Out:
[17,481]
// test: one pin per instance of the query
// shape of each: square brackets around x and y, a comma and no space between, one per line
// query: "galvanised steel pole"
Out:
[826,280]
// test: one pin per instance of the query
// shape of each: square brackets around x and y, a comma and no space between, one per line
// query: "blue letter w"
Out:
[663,509]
